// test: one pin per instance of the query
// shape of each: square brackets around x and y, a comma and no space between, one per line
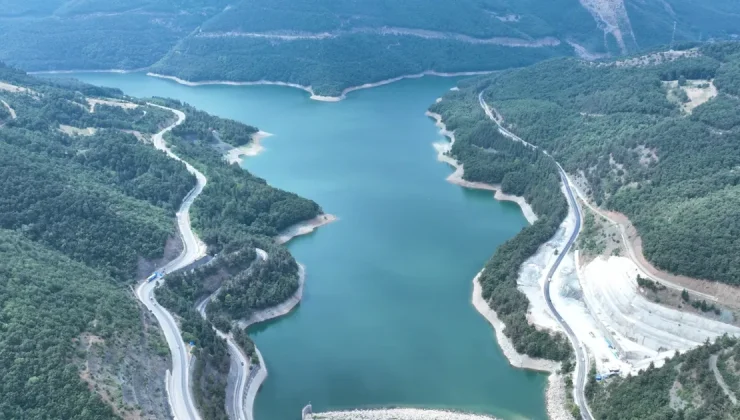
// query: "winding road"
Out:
[239,361]
[178,382]
[239,365]
[582,359]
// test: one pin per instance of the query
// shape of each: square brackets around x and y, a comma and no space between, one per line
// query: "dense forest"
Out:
[685,388]
[96,34]
[49,301]
[206,127]
[641,151]
[335,44]
[80,212]
[489,157]
[347,61]
[640,146]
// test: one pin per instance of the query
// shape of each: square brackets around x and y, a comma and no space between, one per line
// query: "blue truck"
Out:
[155,275]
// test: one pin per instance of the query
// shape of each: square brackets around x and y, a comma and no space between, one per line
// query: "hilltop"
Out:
[336,44]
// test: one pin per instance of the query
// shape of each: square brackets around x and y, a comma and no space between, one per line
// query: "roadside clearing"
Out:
[93,102]
[10,110]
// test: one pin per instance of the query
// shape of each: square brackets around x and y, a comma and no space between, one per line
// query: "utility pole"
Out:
[673,37]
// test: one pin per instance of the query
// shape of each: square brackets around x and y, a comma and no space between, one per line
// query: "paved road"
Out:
[239,365]
[581,356]
[239,361]
[178,388]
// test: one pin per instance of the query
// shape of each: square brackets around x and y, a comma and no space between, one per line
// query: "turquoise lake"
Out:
[386,318]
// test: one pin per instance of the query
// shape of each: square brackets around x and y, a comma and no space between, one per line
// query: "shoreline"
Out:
[305,227]
[555,394]
[457,176]
[515,358]
[251,149]
[281,309]
[397,414]
[120,71]
[309,89]
[252,387]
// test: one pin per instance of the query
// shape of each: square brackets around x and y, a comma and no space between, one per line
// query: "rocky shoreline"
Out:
[309,89]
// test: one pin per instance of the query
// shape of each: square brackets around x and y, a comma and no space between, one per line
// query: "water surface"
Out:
[386,318]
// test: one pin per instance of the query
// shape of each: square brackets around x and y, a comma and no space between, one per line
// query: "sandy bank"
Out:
[231,83]
[556,393]
[408,76]
[253,148]
[254,384]
[555,396]
[456,177]
[396,414]
[515,359]
[87,71]
[280,309]
[306,227]
[310,90]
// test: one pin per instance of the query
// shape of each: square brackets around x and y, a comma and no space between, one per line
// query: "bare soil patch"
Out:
[653,59]
[723,293]
[695,93]
[93,102]
[14,89]
[74,131]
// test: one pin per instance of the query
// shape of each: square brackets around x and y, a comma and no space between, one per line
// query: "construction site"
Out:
[626,316]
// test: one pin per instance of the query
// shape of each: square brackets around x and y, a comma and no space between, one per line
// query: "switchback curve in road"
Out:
[582,359]
[239,361]
[178,382]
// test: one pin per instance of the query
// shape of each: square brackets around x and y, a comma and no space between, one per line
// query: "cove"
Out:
[386,318]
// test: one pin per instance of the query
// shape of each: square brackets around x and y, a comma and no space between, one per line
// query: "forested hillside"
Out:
[649,137]
[335,44]
[83,207]
[86,209]
[236,213]
[96,34]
